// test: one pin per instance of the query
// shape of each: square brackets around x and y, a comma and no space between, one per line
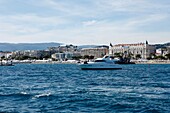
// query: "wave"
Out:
[41,95]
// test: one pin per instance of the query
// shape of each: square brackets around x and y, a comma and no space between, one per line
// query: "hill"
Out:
[26,46]
[162,45]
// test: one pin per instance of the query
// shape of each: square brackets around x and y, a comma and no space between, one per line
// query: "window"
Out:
[100,61]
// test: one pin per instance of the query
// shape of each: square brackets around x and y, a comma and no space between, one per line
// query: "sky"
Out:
[83,22]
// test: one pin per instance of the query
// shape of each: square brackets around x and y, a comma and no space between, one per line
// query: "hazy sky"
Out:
[85,21]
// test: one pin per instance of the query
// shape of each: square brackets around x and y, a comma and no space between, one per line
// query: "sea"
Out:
[65,88]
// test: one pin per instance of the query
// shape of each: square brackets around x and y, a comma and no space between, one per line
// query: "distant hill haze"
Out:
[162,45]
[34,46]
[27,46]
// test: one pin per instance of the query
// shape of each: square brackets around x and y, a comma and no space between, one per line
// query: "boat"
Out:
[105,63]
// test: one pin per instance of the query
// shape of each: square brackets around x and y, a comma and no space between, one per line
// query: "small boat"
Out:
[105,63]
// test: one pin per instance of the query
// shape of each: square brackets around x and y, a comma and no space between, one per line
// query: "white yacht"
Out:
[105,63]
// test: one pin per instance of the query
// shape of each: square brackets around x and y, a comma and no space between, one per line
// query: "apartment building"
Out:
[96,52]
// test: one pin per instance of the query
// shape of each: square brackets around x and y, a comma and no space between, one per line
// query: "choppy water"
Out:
[66,88]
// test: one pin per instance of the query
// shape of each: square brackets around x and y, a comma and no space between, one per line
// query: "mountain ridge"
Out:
[27,46]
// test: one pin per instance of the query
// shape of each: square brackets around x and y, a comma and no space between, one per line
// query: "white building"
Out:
[5,54]
[143,49]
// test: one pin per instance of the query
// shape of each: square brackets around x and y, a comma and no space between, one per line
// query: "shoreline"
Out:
[153,62]
[75,62]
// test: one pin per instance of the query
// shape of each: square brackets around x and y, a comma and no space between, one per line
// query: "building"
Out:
[96,52]
[63,53]
[63,49]
[39,54]
[64,56]
[5,54]
[144,50]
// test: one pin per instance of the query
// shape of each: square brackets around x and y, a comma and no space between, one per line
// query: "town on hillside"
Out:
[137,52]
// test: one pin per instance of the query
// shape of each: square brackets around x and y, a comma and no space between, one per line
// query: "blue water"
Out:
[30,88]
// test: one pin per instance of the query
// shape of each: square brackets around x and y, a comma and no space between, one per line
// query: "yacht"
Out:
[105,63]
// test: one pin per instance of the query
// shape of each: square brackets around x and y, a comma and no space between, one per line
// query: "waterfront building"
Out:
[31,53]
[144,50]
[97,52]
[2,54]
[62,49]
[63,53]
[5,54]
[64,56]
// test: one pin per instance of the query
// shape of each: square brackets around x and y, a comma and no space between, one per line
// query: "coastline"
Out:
[153,62]
[76,62]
